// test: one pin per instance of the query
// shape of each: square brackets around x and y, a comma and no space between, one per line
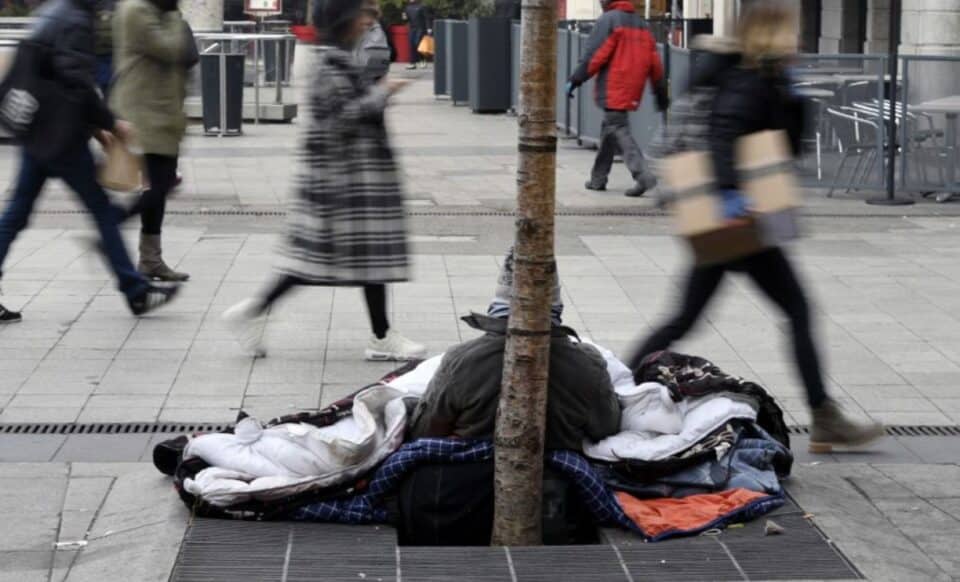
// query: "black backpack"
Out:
[452,505]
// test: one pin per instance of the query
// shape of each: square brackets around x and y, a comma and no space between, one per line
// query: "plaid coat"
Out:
[346,222]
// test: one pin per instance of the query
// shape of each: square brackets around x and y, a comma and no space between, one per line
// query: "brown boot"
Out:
[831,427]
[151,261]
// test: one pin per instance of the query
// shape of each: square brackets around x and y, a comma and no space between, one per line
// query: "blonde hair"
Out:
[768,30]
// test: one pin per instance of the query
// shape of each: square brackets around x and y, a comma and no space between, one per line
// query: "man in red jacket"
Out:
[622,54]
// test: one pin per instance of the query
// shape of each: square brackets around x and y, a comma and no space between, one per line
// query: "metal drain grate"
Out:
[918,431]
[111,428]
[215,550]
[450,212]
[900,430]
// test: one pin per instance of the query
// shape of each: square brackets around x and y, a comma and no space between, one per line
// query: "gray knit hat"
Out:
[500,306]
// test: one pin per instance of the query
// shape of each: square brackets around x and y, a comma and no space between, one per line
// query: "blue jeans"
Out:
[414,36]
[75,167]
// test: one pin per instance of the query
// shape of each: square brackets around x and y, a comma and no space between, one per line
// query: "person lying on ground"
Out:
[462,398]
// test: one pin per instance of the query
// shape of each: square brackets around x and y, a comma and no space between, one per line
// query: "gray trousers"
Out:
[615,136]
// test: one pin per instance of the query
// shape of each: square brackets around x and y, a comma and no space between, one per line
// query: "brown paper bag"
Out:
[698,211]
[122,169]
[690,179]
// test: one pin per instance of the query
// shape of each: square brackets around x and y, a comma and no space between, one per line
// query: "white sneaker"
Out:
[394,347]
[248,326]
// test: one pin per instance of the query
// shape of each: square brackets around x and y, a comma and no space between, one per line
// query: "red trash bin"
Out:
[400,34]
[305,33]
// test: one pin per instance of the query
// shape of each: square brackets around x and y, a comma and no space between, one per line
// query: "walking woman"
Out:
[754,94]
[56,145]
[154,49]
[346,223]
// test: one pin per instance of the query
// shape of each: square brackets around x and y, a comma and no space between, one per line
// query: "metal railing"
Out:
[847,144]
[224,44]
[927,112]
[17,22]
[846,139]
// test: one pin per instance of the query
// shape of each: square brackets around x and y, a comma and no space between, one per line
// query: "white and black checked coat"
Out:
[346,222]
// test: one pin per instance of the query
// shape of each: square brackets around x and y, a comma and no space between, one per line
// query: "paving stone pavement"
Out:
[885,301]
[886,290]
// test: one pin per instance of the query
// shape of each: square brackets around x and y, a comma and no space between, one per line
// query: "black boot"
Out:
[595,186]
[153,298]
[644,183]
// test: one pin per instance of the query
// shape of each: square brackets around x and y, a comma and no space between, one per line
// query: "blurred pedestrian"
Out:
[373,53]
[415,14]
[346,225]
[622,54]
[753,94]
[103,43]
[154,49]
[56,145]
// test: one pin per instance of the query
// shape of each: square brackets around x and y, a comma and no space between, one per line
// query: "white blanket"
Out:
[267,463]
[654,427]
[270,463]
[415,381]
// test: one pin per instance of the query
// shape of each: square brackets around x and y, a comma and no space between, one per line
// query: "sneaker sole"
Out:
[11,321]
[237,328]
[374,356]
[157,279]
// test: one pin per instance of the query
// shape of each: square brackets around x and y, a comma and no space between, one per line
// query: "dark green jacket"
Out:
[463,396]
[152,52]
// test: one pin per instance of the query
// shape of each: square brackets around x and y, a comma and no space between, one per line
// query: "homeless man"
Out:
[462,398]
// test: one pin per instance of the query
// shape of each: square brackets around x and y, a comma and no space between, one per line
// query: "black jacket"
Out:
[749,100]
[462,398]
[65,33]
[417,17]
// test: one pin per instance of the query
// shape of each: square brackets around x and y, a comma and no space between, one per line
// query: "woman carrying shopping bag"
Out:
[753,94]
[153,50]
[346,225]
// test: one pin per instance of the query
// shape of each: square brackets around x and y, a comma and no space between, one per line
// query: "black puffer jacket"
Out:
[462,397]
[65,32]
[749,100]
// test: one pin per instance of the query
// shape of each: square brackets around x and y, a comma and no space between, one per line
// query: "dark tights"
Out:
[772,273]
[152,205]
[375,295]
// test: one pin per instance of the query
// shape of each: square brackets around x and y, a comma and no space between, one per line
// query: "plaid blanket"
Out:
[367,507]
[605,506]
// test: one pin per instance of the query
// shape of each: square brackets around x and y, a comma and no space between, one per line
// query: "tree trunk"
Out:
[521,417]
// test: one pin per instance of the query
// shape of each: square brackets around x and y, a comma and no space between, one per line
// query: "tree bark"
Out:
[521,417]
